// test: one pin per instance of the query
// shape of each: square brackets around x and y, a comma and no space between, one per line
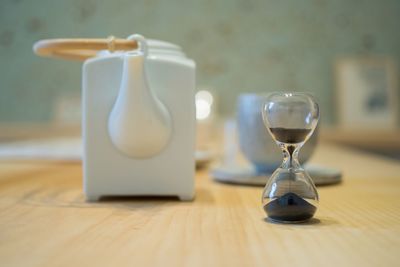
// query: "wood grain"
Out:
[44,221]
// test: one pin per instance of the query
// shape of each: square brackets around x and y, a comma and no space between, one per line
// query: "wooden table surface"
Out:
[44,221]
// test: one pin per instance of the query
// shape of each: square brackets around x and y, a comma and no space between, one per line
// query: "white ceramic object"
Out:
[139,123]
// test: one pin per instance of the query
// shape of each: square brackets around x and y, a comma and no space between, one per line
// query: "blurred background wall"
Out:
[239,45]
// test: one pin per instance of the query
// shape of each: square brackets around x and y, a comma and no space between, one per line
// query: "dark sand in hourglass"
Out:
[290,208]
[288,135]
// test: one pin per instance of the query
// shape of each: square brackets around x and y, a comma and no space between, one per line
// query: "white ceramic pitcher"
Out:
[138,119]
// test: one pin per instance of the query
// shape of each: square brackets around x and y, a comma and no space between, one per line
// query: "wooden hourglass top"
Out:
[81,49]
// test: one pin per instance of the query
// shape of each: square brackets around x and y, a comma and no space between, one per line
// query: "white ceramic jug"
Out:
[138,116]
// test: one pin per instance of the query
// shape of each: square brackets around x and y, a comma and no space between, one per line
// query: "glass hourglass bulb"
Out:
[290,194]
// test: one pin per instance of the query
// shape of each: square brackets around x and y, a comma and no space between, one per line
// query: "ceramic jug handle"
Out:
[141,42]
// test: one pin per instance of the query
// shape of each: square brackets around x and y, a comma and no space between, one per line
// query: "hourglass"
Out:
[290,195]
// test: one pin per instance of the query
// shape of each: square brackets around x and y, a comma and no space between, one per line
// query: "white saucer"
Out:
[248,176]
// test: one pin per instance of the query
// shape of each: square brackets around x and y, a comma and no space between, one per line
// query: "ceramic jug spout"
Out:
[139,124]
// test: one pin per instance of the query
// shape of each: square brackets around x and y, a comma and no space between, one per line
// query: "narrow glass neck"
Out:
[290,155]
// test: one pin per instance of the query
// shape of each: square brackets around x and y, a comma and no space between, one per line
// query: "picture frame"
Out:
[367,96]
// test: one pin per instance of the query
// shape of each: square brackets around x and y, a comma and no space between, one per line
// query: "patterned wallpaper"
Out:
[239,45]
